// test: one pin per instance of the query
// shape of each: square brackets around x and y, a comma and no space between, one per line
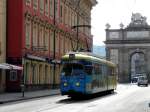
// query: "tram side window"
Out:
[111,71]
[104,70]
[108,71]
[98,69]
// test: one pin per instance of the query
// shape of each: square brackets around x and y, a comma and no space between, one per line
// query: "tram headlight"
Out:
[77,84]
[65,84]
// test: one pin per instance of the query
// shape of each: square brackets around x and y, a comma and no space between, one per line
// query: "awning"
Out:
[7,66]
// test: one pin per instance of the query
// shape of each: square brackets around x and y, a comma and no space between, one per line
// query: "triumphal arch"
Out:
[129,48]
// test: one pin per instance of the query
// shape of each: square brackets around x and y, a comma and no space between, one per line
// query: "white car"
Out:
[142,80]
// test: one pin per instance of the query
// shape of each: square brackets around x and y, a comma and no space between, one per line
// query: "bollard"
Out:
[22,89]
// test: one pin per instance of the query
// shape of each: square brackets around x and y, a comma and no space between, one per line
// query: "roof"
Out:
[88,56]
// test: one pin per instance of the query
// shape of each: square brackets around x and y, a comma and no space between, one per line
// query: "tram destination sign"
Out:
[71,56]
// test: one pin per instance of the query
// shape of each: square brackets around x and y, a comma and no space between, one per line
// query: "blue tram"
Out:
[84,73]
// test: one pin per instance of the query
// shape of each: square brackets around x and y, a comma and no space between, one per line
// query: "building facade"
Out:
[129,48]
[2,42]
[40,32]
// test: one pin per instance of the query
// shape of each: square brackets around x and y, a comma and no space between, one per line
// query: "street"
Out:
[127,98]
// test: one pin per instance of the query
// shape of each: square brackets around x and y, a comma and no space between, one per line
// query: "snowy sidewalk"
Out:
[11,97]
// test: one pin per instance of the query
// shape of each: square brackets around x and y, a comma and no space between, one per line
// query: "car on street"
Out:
[134,80]
[142,80]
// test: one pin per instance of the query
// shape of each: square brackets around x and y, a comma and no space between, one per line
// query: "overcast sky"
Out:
[114,12]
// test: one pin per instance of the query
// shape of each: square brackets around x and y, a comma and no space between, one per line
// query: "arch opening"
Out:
[137,64]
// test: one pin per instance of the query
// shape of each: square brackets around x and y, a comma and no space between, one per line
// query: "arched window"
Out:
[46,75]
[27,74]
[28,33]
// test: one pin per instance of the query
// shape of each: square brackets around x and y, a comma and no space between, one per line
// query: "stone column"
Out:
[123,65]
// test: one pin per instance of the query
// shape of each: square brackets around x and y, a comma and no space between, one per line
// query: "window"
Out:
[46,7]
[62,45]
[28,75]
[51,8]
[72,69]
[35,35]
[72,19]
[51,75]
[46,75]
[41,6]
[104,70]
[56,9]
[111,71]
[13,75]
[46,40]
[98,69]
[37,75]
[35,4]
[33,74]
[28,34]
[69,16]
[75,19]
[28,2]
[66,45]
[57,43]
[51,41]
[66,15]
[40,74]
[41,38]
[61,13]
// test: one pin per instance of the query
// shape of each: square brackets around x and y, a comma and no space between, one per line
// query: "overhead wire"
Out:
[134,6]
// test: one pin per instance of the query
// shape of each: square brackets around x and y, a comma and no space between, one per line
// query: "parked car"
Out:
[142,80]
[134,79]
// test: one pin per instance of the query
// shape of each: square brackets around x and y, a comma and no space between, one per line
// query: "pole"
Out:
[77,49]
[23,79]
[54,67]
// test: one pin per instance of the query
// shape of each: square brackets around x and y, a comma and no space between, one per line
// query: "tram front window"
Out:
[72,69]
[77,69]
[67,69]
[88,69]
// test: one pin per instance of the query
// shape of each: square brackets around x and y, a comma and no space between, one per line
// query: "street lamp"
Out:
[54,44]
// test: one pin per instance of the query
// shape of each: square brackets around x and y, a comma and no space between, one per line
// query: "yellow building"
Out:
[2,41]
